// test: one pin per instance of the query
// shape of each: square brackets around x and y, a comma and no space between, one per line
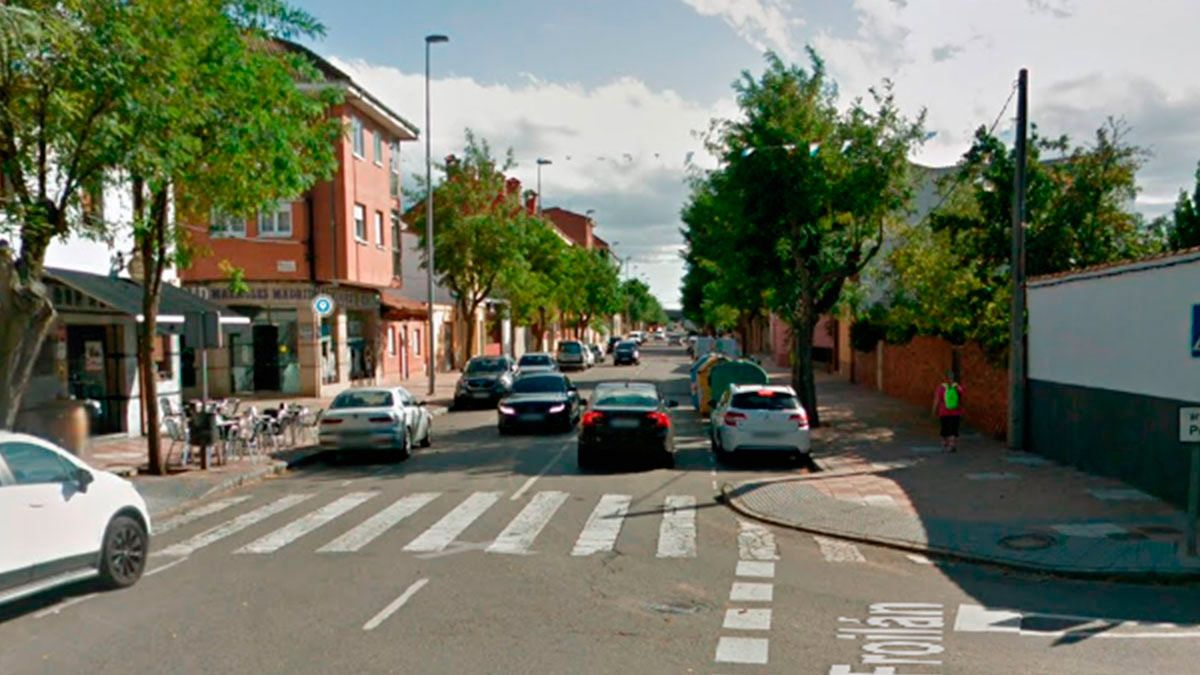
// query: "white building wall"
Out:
[1128,332]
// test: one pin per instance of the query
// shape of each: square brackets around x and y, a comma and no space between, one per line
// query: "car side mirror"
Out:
[84,478]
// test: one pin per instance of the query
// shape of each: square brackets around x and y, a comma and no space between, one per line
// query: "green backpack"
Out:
[951,397]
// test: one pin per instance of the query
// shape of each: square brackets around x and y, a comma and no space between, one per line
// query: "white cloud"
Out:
[765,24]
[618,148]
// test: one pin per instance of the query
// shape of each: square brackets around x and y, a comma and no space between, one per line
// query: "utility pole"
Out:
[1017,365]
[431,329]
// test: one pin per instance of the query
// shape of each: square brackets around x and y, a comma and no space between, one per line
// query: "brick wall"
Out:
[913,371]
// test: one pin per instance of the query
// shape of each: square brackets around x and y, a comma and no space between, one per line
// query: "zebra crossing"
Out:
[370,517]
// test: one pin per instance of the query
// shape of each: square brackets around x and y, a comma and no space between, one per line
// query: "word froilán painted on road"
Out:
[898,637]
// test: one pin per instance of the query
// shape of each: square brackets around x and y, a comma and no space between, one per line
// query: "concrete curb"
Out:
[1148,577]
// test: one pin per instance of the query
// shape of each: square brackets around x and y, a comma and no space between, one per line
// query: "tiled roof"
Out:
[1182,256]
[573,225]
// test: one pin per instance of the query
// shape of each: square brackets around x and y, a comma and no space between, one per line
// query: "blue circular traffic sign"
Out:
[322,305]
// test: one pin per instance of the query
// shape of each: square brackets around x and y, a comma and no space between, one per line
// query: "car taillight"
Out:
[592,418]
[801,420]
[731,418]
[331,420]
[660,420]
[380,420]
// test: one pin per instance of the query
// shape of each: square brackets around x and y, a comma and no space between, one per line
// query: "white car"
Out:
[376,418]
[62,521]
[537,362]
[767,418]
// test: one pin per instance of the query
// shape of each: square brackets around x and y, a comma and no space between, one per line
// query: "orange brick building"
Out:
[342,237]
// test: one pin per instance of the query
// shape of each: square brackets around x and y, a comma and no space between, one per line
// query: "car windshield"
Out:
[539,385]
[570,348]
[626,398]
[765,400]
[477,366]
[535,360]
[362,399]
[627,346]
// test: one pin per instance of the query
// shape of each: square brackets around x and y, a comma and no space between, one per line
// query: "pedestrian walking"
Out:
[947,405]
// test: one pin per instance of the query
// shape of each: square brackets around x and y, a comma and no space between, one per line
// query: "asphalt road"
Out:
[486,554]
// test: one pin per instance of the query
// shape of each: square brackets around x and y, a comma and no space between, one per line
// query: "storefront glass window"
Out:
[328,352]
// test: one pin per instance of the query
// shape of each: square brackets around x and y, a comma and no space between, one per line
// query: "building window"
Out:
[226,225]
[162,357]
[360,222]
[417,342]
[379,148]
[358,135]
[391,340]
[394,147]
[379,229]
[397,253]
[276,222]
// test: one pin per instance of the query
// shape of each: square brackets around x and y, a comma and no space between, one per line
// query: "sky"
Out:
[613,92]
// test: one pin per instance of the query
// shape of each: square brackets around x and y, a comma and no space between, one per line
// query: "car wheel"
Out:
[504,431]
[406,447]
[668,461]
[123,557]
[428,440]
[584,459]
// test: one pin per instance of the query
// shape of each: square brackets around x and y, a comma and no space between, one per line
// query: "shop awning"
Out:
[395,307]
[124,296]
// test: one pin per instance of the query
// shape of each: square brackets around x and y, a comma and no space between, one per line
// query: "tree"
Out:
[530,283]
[1183,227]
[641,308]
[948,276]
[589,288]
[810,187]
[478,221]
[64,72]
[216,116]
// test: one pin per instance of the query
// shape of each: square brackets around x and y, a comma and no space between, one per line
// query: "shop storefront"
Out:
[287,348]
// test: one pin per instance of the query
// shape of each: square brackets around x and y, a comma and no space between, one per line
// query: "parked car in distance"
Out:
[62,521]
[571,354]
[674,339]
[376,418]
[613,341]
[597,353]
[536,362]
[637,336]
[539,402]
[626,421]
[659,335]
[485,379]
[627,352]
[759,418]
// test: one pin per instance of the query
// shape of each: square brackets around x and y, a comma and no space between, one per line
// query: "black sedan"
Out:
[540,402]
[485,380]
[626,352]
[627,420]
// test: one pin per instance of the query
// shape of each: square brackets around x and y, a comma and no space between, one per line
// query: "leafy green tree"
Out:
[65,67]
[215,95]
[478,224]
[641,308]
[810,185]
[589,288]
[1183,228]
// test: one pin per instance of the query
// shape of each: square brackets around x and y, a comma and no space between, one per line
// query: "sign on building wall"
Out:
[1189,425]
[287,295]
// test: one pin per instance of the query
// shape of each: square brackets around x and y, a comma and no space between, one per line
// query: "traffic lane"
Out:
[825,600]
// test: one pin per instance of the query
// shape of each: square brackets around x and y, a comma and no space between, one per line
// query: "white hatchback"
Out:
[757,417]
[62,521]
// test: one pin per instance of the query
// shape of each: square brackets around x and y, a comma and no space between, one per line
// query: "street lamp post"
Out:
[541,161]
[430,358]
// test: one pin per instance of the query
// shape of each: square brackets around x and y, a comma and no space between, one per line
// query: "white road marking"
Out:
[533,479]
[677,533]
[750,591]
[234,526]
[518,537]
[603,525]
[918,558]
[55,609]
[446,530]
[755,568]
[197,513]
[839,551]
[379,523]
[747,619]
[304,524]
[164,567]
[977,619]
[1119,495]
[1090,530]
[741,650]
[395,604]
[756,541]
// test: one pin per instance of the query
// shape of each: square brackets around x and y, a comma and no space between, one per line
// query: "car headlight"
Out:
[507,410]
[558,408]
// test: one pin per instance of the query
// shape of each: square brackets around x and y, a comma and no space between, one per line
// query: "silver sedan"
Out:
[387,418]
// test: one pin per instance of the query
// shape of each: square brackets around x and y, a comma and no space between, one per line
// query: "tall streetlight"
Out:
[541,161]
[430,358]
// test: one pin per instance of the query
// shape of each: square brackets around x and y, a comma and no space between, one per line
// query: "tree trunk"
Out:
[803,380]
[25,317]
[470,317]
[152,245]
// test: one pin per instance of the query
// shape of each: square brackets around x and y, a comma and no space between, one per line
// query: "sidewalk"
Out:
[887,481]
[173,492]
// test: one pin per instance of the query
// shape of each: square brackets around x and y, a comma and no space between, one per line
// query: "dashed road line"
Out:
[395,605]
